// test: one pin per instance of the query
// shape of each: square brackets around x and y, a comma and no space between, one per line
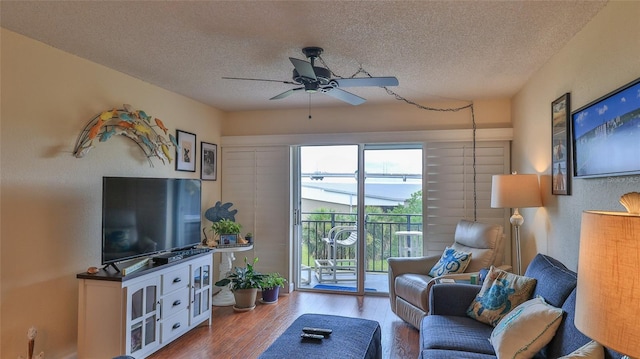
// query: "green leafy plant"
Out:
[243,277]
[226,226]
[272,280]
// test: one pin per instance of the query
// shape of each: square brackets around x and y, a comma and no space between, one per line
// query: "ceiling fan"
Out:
[312,79]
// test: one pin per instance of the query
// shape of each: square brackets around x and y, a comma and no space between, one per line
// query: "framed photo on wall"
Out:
[209,158]
[186,154]
[561,146]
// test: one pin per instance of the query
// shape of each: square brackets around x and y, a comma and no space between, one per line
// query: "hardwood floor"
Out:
[248,334]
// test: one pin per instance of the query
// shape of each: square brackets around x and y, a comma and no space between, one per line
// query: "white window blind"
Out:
[256,180]
[449,188]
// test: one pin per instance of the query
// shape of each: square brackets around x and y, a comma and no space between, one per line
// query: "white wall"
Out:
[599,59]
[51,201]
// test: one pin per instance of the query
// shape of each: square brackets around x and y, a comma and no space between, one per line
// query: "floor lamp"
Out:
[515,191]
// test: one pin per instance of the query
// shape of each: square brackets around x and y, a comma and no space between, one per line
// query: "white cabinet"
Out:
[139,313]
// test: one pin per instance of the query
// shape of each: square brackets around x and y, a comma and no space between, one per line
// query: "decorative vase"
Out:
[270,295]
[245,298]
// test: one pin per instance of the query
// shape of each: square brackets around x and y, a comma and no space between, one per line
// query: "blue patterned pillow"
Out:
[500,293]
[452,261]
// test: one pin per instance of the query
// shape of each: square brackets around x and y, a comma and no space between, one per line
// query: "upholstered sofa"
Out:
[409,279]
[448,332]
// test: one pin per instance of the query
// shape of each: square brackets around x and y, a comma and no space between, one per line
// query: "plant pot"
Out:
[270,295]
[245,298]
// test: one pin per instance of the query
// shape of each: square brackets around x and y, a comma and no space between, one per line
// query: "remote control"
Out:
[311,336]
[318,331]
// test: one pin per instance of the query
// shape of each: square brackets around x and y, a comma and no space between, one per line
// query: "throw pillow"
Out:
[500,292]
[452,261]
[526,329]
[591,350]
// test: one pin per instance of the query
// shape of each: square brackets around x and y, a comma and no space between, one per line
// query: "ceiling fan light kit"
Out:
[313,79]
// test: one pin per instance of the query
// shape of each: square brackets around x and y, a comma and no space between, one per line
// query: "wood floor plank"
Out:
[247,334]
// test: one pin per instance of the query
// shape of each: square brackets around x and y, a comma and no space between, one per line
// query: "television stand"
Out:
[140,313]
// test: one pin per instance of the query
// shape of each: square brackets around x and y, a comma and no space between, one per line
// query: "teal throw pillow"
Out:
[452,261]
[500,293]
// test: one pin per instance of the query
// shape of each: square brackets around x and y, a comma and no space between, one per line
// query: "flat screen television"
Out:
[144,216]
[606,134]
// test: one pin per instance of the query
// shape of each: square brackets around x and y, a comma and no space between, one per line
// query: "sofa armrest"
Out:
[452,299]
[403,265]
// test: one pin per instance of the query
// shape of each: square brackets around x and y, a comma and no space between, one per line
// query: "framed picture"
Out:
[561,146]
[606,140]
[209,158]
[186,157]
[228,239]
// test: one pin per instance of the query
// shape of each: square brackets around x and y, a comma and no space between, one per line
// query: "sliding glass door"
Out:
[358,205]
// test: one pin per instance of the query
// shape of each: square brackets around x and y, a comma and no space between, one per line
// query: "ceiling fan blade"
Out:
[286,93]
[367,81]
[250,79]
[345,96]
[304,68]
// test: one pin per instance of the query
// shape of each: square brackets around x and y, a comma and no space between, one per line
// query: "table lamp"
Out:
[515,191]
[608,294]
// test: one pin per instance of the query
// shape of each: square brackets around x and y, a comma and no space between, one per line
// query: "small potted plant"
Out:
[244,282]
[249,237]
[271,284]
[226,227]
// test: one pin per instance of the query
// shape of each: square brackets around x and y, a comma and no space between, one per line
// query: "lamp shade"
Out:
[608,294]
[515,191]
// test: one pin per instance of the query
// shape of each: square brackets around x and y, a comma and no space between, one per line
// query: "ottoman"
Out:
[351,338]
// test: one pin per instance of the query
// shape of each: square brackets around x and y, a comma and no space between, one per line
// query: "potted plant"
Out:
[226,226]
[244,282]
[249,237]
[271,284]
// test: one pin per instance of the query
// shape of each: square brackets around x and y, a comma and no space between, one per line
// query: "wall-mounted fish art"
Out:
[133,124]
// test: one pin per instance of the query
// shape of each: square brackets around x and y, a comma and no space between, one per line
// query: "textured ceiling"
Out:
[437,49]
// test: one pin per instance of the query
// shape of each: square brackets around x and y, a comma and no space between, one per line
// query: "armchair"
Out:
[409,279]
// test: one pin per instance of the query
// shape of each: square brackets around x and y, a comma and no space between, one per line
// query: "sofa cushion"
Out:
[414,289]
[591,350]
[526,329]
[482,240]
[501,292]
[555,291]
[567,338]
[452,261]
[455,333]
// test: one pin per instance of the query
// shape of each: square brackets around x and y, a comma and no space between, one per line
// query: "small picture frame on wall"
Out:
[561,146]
[186,154]
[209,158]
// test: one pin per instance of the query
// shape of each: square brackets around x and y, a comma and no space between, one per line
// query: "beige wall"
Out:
[599,59]
[367,118]
[51,201]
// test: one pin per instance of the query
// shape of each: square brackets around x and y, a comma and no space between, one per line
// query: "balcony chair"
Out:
[409,279]
[334,269]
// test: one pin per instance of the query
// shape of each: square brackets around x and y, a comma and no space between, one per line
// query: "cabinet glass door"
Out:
[142,330]
[201,287]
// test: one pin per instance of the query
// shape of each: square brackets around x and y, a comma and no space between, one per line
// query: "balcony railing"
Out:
[380,229]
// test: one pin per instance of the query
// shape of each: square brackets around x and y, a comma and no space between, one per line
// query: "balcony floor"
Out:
[374,282]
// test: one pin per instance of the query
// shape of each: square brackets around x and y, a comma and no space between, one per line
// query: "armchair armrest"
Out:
[452,299]
[467,275]
[403,265]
